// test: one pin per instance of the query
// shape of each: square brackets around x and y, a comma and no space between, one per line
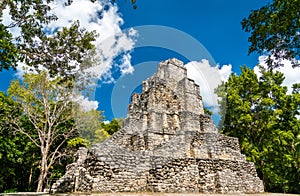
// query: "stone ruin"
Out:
[166,144]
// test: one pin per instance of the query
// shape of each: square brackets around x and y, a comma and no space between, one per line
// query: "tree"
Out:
[90,127]
[263,116]
[275,29]
[48,105]
[113,126]
[29,16]
[101,135]
[208,112]
[8,52]
[60,52]
[18,155]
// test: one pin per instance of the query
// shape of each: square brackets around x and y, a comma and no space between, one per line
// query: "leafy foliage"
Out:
[29,16]
[90,127]
[78,142]
[208,112]
[101,135]
[263,116]
[275,29]
[60,52]
[18,155]
[8,51]
[113,126]
[43,119]
[48,105]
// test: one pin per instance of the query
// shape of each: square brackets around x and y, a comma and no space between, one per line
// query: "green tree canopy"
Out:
[275,30]
[48,105]
[90,126]
[113,126]
[263,116]
[60,52]
[18,155]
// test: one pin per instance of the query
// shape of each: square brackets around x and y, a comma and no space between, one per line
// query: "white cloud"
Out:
[15,31]
[208,77]
[112,43]
[113,46]
[101,16]
[292,75]
[125,66]
[22,69]
[104,18]
[225,72]
[106,122]
[86,104]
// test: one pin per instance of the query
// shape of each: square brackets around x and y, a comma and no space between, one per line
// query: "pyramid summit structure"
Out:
[166,144]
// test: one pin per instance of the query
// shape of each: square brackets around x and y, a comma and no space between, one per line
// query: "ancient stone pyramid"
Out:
[166,144]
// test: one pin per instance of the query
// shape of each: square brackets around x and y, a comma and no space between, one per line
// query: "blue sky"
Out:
[132,42]
[215,24]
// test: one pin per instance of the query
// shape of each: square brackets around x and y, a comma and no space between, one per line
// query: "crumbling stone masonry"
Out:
[166,144]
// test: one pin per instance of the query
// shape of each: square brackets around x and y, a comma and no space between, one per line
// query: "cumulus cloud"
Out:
[7,21]
[113,44]
[86,104]
[291,74]
[208,77]
[103,17]
[225,72]
[125,65]
[22,69]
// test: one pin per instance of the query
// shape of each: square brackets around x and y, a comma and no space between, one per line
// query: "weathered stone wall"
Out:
[121,173]
[166,144]
[205,175]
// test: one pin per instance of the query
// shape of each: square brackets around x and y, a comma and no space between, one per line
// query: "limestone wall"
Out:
[204,175]
[120,173]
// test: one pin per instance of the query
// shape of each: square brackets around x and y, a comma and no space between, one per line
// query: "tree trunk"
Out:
[43,173]
[40,183]
[31,173]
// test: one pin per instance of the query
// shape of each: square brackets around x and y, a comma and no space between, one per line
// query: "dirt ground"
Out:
[147,194]
[181,194]
[177,194]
